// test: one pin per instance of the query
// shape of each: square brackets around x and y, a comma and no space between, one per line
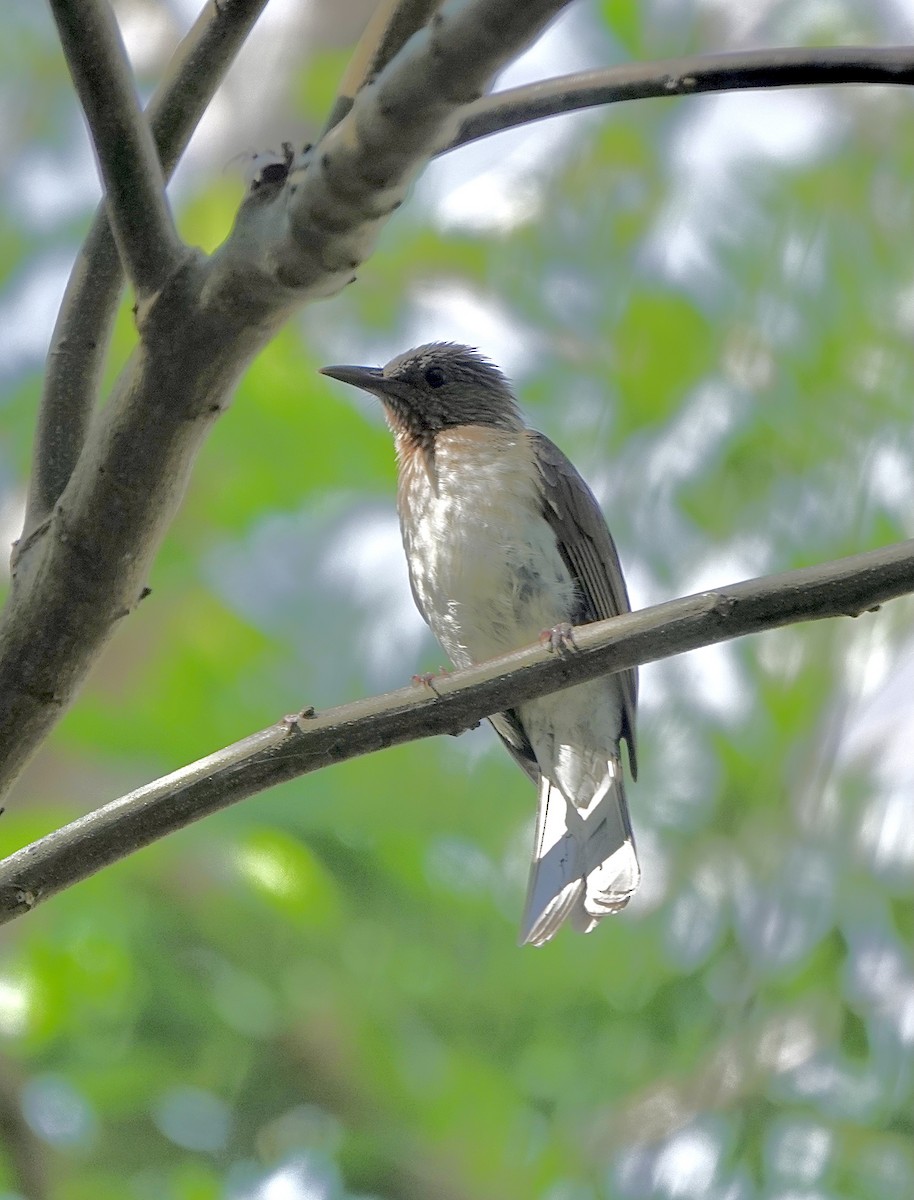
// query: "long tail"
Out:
[584,862]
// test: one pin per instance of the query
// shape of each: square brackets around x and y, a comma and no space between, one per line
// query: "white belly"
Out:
[483,561]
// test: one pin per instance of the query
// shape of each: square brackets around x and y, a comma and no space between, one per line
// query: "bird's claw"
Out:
[559,639]
[427,679]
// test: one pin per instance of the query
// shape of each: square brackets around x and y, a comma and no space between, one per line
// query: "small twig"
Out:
[294,747]
[682,77]
[144,230]
[83,330]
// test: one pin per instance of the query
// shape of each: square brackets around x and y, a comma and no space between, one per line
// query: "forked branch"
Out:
[84,568]
[82,333]
[144,230]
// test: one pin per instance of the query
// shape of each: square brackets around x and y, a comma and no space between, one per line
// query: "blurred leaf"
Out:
[624,19]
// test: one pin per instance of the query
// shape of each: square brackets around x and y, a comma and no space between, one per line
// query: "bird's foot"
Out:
[559,639]
[427,679]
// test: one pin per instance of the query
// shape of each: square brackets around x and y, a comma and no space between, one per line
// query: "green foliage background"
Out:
[318,993]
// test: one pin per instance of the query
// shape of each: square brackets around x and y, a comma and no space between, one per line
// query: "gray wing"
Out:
[590,554]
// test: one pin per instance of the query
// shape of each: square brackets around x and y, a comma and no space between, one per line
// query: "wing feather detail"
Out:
[590,554]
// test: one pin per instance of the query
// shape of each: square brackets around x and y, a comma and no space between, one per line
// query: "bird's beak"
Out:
[369,379]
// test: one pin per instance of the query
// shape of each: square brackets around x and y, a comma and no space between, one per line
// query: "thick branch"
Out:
[85,568]
[339,196]
[392,24]
[147,240]
[83,330]
[406,18]
[284,751]
[681,77]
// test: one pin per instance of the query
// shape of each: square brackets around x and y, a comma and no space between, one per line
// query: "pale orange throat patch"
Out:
[472,446]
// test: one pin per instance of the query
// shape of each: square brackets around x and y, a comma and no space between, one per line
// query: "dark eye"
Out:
[435,377]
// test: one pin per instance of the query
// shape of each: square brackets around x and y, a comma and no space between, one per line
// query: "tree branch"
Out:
[295,239]
[83,329]
[390,27]
[197,68]
[144,230]
[338,196]
[846,587]
[681,77]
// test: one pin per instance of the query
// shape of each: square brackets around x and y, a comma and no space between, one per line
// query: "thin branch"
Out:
[458,701]
[683,77]
[197,67]
[144,230]
[83,330]
[392,24]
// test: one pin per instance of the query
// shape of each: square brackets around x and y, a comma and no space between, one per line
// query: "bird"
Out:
[505,543]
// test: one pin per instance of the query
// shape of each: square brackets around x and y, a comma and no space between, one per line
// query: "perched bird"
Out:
[505,542]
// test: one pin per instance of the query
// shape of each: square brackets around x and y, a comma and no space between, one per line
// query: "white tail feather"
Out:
[584,862]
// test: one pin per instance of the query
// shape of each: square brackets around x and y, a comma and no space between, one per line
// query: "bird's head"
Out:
[437,386]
